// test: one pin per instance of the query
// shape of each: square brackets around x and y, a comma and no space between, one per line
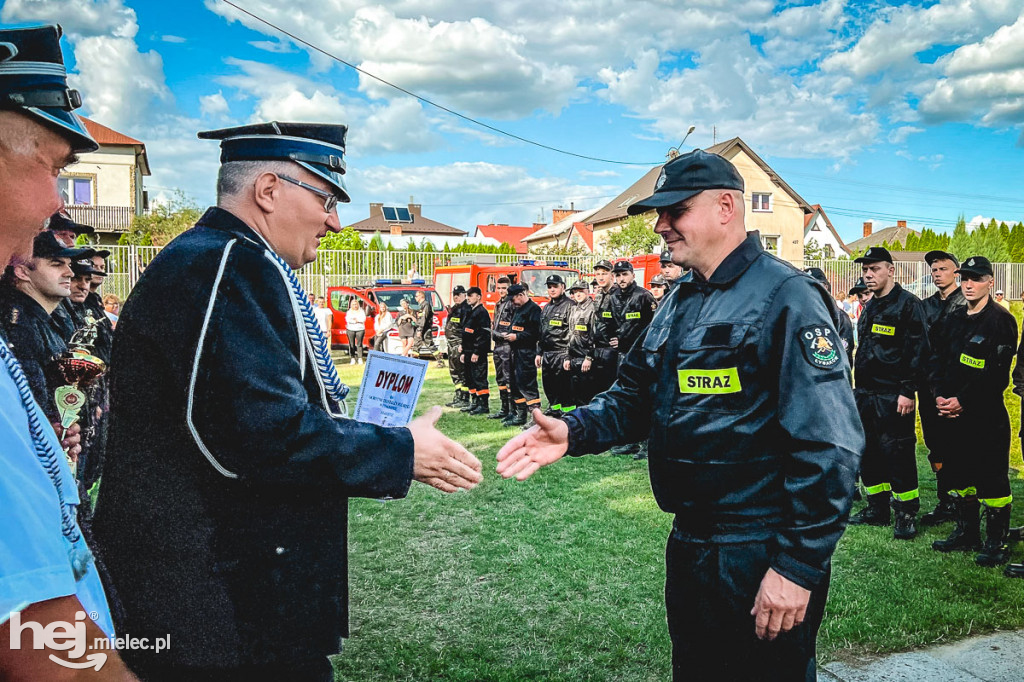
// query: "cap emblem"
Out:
[661,181]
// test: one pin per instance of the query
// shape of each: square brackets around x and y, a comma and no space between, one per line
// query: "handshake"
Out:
[444,464]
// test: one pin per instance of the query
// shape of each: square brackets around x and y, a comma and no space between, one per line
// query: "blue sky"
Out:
[876,110]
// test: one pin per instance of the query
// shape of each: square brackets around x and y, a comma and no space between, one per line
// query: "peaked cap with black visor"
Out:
[317,147]
[33,81]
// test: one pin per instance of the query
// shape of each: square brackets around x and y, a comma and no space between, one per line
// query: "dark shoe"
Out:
[875,514]
[997,529]
[966,535]
[520,416]
[482,406]
[471,405]
[456,401]
[642,452]
[627,449]
[1014,571]
[463,399]
[504,412]
[944,511]
[904,528]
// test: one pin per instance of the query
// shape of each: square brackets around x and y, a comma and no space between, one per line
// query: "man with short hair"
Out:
[728,382]
[669,270]
[892,345]
[47,572]
[502,352]
[632,309]
[605,329]
[523,338]
[658,287]
[554,345]
[476,342]
[231,458]
[947,299]
[453,334]
[424,323]
[579,362]
[66,231]
[324,316]
[968,371]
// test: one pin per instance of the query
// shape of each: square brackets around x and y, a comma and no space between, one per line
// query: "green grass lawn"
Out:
[561,577]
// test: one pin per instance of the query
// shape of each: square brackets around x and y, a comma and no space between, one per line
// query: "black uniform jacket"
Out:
[104,328]
[454,324]
[226,483]
[425,317]
[935,306]
[741,385]
[37,340]
[605,328]
[633,308]
[892,344]
[476,332]
[971,355]
[554,325]
[503,311]
[582,323]
[526,326]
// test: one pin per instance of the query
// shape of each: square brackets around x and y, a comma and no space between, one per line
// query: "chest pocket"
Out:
[709,373]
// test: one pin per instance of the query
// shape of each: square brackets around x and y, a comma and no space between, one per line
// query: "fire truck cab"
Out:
[390,292]
[482,271]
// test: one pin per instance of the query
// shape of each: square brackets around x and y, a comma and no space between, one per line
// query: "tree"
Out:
[960,243]
[376,243]
[635,237]
[556,249]
[988,241]
[348,239]
[164,222]
[814,251]
[427,245]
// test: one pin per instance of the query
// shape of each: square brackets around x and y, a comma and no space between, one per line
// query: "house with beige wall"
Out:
[105,188]
[772,206]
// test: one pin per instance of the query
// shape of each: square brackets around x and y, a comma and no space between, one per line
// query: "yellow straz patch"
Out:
[709,381]
[555,323]
[976,363]
[606,313]
[581,327]
[883,330]
[632,316]
[456,319]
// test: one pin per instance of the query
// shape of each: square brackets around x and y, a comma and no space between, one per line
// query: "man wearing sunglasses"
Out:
[231,460]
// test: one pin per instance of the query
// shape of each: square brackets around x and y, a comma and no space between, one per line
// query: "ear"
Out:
[267,191]
[728,207]
[21,271]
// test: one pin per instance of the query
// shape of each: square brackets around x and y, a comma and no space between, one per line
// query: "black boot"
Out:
[504,412]
[463,399]
[482,405]
[1014,571]
[944,511]
[875,514]
[642,452]
[997,527]
[456,401]
[904,528]
[471,405]
[520,416]
[529,417]
[966,535]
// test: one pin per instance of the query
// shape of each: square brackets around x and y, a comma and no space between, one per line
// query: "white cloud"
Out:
[276,46]
[83,18]
[173,39]
[900,135]
[213,106]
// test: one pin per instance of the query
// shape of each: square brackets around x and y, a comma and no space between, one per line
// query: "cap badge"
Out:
[970,262]
[661,181]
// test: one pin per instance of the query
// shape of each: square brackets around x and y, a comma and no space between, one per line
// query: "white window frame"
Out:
[774,239]
[761,194]
[71,179]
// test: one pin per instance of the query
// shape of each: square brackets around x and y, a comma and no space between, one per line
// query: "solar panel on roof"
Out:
[390,214]
[403,215]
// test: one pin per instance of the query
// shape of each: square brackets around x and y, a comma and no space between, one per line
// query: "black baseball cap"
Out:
[603,265]
[459,289]
[61,223]
[554,279]
[579,285]
[976,265]
[623,266]
[859,287]
[82,268]
[686,176]
[659,281]
[876,254]
[45,245]
[819,274]
[474,290]
[933,256]
[517,289]
[666,257]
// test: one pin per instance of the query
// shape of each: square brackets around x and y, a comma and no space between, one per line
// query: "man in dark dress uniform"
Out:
[523,338]
[476,343]
[554,345]
[502,353]
[224,506]
[947,299]
[453,333]
[968,370]
[744,391]
[892,347]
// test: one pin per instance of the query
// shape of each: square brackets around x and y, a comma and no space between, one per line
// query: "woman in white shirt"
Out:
[355,327]
[382,324]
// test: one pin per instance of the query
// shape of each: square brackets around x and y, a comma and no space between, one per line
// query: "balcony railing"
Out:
[103,218]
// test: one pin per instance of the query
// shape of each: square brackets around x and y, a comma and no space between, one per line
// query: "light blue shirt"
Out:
[34,563]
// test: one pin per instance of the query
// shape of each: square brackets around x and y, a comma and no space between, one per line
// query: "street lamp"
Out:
[674,151]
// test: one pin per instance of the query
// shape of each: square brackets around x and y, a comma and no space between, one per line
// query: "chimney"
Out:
[560,213]
[396,228]
[376,209]
[901,223]
[537,226]
[415,210]
[867,228]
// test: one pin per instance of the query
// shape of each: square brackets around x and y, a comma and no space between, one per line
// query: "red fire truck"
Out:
[482,271]
[390,292]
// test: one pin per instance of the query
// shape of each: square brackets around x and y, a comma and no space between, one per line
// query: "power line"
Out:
[432,103]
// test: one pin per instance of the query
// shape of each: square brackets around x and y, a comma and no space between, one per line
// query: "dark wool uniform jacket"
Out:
[37,340]
[633,308]
[892,345]
[476,331]
[554,325]
[935,306]
[743,388]
[582,321]
[605,328]
[526,326]
[226,483]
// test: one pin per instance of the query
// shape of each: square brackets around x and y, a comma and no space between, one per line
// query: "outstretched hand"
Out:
[543,443]
[438,460]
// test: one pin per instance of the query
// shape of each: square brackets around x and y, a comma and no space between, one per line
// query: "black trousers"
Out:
[476,375]
[557,381]
[889,461]
[319,670]
[524,378]
[980,456]
[355,343]
[456,368]
[709,591]
[503,366]
[380,343]
[938,437]
[583,386]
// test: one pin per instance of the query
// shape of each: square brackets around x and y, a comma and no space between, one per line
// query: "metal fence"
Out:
[914,276]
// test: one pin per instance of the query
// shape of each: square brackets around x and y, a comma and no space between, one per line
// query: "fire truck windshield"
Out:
[536,279]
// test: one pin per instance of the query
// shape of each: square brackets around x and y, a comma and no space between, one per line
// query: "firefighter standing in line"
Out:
[888,370]
[554,346]
[523,341]
[502,352]
[632,309]
[476,343]
[453,332]
[605,332]
[669,270]
[968,370]
[579,362]
[947,299]
[659,285]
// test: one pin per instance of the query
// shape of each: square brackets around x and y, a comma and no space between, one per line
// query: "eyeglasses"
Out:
[330,199]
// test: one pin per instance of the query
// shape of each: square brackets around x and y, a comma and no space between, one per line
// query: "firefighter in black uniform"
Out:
[605,330]
[944,301]
[841,319]
[66,231]
[669,270]
[743,388]
[554,345]
[502,352]
[581,356]
[659,286]
[632,309]
[476,343]
[968,370]
[889,369]
[424,324]
[523,338]
[453,333]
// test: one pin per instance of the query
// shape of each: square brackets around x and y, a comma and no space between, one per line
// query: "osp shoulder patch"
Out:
[819,344]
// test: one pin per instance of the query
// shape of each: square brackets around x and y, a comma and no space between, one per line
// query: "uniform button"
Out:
[280,550]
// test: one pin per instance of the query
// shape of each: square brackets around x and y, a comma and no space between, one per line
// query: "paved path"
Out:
[987,658]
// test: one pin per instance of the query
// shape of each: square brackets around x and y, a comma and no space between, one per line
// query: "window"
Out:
[829,253]
[771,245]
[760,201]
[75,191]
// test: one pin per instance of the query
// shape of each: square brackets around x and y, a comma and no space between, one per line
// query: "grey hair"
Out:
[19,135]
[237,176]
